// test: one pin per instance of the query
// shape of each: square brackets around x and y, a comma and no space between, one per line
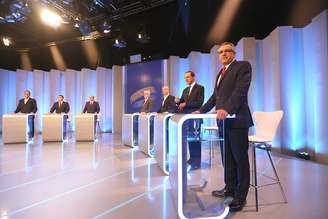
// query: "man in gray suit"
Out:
[147,105]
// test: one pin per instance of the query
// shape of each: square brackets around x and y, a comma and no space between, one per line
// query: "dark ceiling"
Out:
[175,27]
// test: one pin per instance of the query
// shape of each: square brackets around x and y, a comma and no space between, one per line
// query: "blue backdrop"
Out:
[139,77]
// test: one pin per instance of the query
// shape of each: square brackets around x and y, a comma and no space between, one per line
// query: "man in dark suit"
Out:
[168,102]
[28,105]
[147,105]
[60,106]
[91,106]
[192,99]
[230,98]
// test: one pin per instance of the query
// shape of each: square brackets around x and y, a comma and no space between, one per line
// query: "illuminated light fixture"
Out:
[142,37]
[6,41]
[50,18]
[119,43]
[105,27]
[76,25]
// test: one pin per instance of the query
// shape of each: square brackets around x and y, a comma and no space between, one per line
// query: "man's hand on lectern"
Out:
[196,112]
[221,114]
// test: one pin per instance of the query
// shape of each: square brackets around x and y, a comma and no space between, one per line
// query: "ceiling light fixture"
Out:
[50,18]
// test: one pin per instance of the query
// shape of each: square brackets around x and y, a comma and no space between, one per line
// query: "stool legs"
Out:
[277,177]
[255,178]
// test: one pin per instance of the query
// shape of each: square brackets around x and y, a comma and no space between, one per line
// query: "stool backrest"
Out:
[266,123]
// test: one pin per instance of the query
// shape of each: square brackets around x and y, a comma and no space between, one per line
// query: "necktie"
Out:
[222,72]
[60,105]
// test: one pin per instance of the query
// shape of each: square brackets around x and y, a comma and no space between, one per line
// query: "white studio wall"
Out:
[290,69]
[76,86]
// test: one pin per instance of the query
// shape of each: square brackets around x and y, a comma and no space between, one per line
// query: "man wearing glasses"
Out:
[230,97]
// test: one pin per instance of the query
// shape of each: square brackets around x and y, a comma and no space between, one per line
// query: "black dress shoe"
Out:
[193,166]
[237,205]
[222,193]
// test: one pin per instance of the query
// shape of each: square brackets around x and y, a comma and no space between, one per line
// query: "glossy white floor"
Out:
[108,180]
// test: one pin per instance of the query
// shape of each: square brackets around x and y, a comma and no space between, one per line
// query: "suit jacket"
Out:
[231,94]
[91,108]
[64,108]
[29,107]
[147,106]
[168,106]
[193,101]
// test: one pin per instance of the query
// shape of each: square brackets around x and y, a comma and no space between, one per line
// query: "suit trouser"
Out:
[236,165]
[31,126]
[195,149]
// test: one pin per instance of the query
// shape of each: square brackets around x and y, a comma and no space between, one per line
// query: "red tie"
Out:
[223,71]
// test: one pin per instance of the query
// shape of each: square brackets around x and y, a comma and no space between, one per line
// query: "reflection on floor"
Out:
[108,180]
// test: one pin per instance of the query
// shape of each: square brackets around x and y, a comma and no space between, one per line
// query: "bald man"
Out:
[167,104]
[28,105]
[91,106]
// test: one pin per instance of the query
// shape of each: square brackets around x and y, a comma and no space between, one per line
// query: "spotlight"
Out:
[50,18]
[142,37]
[105,27]
[119,43]
[6,41]
[303,155]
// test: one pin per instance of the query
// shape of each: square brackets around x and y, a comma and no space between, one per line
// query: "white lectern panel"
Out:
[85,125]
[15,128]
[53,127]
[161,144]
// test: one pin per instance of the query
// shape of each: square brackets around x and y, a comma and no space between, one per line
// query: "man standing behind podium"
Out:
[60,106]
[191,100]
[91,106]
[167,104]
[28,105]
[230,97]
[147,105]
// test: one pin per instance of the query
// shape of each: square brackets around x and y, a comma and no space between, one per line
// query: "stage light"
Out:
[50,18]
[6,41]
[105,27]
[142,37]
[119,43]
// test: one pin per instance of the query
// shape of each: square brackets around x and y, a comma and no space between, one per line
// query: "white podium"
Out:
[146,133]
[130,129]
[161,144]
[54,127]
[15,128]
[186,185]
[85,125]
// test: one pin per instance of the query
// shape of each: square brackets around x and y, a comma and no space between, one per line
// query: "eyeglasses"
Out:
[224,51]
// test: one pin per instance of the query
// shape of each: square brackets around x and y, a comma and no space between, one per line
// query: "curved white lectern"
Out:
[189,197]
[146,133]
[85,124]
[54,127]
[161,143]
[130,129]
[16,128]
